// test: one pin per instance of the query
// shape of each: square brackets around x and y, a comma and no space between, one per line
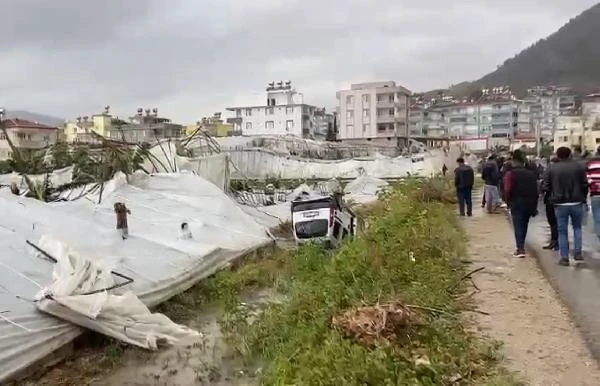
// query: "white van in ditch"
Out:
[322,219]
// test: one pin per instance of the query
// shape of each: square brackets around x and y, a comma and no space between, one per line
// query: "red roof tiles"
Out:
[18,123]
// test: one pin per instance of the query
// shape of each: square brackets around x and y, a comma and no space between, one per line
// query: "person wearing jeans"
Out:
[567,186]
[564,212]
[550,213]
[593,177]
[521,193]
[491,176]
[464,177]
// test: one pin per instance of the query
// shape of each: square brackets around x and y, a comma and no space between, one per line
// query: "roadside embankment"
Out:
[383,309]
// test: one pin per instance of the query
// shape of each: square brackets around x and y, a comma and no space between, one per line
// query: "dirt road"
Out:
[541,342]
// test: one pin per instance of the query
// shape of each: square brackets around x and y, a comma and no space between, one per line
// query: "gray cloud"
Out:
[191,58]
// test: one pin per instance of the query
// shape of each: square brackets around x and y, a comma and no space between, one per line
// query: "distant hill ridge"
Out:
[568,57]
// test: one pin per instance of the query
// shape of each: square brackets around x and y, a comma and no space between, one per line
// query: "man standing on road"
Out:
[566,182]
[491,176]
[550,214]
[593,177]
[464,177]
[521,192]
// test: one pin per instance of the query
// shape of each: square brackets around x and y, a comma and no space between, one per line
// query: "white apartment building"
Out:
[376,111]
[590,111]
[284,114]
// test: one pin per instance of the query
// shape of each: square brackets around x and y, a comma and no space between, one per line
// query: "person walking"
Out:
[464,177]
[521,193]
[593,177]
[122,212]
[550,214]
[491,176]
[566,182]
[444,170]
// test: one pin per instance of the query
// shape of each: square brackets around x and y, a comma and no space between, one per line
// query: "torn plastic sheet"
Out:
[74,296]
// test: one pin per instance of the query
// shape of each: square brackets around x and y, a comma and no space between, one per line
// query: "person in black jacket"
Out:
[521,195]
[491,177]
[550,214]
[464,177]
[567,186]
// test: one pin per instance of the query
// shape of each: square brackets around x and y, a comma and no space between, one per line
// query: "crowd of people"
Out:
[563,184]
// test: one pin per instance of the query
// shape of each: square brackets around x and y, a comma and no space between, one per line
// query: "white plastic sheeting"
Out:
[214,168]
[364,189]
[254,163]
[79,294]
[160,263]
[57,178]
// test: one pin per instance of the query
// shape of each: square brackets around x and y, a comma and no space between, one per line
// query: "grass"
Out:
[410,253]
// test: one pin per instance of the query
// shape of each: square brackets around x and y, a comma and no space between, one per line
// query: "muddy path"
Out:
[541,342]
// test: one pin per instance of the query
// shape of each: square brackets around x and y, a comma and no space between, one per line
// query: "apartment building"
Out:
[26,135]
[546,104]
[146,126]
[86,129]
[590,111]
[284,114]
[374,112]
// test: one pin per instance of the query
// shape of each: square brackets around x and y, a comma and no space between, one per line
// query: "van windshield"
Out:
[311,205]
[310,229]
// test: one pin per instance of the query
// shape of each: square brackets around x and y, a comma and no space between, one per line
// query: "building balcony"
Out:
[386,103]
[386,118]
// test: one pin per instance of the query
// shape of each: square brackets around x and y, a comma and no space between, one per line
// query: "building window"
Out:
[349,114]
[365,128]
[366,113]
[248,112]
[597,141]
[248,125]
[46,138]
[269,111]
[349,101]
[238,113]
[289,110]
[289,124]
[349,128]
[269,124]
[366,98]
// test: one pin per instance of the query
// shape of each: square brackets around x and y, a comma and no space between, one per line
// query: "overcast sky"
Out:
[190,58]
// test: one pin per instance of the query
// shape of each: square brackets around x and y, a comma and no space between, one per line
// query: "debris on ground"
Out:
[376,324]
[83,293]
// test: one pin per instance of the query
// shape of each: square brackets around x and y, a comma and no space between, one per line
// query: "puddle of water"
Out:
[206,360]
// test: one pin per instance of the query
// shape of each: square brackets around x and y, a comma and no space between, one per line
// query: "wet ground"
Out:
[578,286]
[207,360]
[541,342]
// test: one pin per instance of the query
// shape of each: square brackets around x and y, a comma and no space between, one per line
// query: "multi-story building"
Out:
[26,135]
[284,114]
[214,126]
[590,111]
[85,129]
[376,111]
[145,128]
[569,131]
[546,104]
[324,124]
